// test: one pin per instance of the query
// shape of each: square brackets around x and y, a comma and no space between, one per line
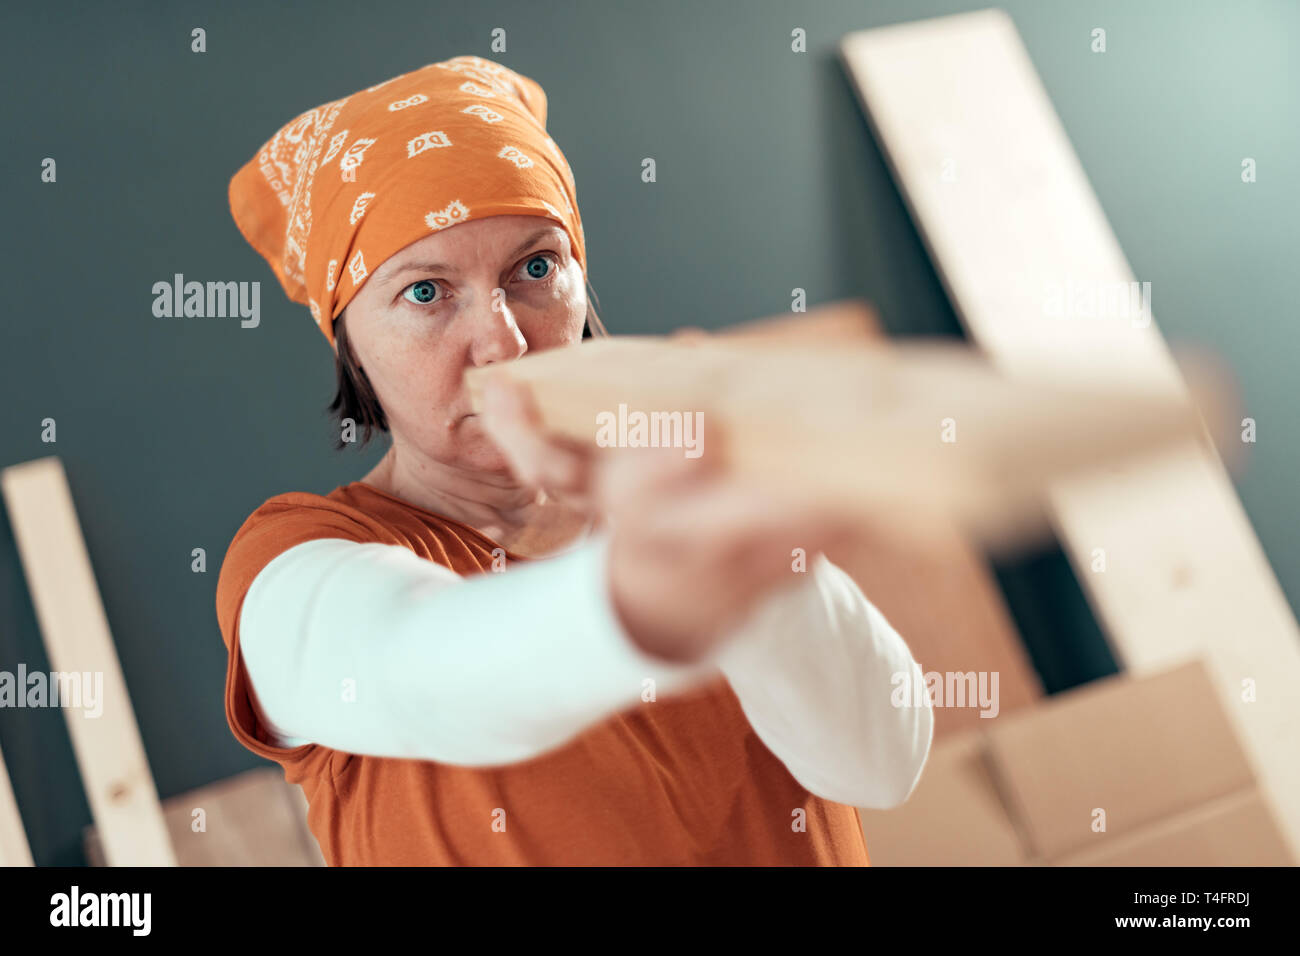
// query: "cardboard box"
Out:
[953,818]
[1138,751]
[1153,758]
[1237,830]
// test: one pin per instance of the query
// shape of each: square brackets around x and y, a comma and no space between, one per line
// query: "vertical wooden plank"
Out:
[1013,225]
[110,754]
[14,850]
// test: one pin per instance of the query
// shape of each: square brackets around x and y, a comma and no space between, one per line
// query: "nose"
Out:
[496,334]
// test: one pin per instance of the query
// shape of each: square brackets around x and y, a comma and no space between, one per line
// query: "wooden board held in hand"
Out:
[923,432]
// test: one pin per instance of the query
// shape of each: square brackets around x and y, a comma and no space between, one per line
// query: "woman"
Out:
[648,682]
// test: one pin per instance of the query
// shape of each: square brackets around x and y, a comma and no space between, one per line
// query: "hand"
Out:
[693,550]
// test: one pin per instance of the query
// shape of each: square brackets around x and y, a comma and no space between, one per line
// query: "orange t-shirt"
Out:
[683,780]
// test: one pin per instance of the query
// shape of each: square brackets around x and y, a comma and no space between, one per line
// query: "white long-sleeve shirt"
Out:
[371,649]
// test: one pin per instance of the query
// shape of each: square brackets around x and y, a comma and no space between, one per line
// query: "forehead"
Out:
[493,237]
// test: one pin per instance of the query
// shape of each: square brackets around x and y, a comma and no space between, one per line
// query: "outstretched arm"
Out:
[815,674]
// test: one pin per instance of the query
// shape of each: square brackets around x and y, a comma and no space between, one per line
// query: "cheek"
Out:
[414,379]
[557,317]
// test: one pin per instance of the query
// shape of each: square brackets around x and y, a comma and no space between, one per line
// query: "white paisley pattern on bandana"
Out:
[282,160]
[454,213]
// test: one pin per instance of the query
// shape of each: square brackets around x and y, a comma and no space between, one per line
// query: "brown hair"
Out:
[355,398]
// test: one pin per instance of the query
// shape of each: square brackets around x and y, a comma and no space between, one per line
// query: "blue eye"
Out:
[538,267]
[421,293]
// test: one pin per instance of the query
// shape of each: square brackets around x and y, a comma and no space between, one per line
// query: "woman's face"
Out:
[483,291]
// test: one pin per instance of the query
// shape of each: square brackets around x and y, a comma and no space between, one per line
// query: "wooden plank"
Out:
[1012,224]
[254,818]
[825,419]
[849,322]
[119,785]
[14,850]
[940,593]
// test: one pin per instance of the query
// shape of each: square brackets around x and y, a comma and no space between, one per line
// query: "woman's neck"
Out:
[524,521]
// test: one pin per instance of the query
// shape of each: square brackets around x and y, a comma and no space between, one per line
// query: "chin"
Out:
[494,462]
[466,446]
[483,455]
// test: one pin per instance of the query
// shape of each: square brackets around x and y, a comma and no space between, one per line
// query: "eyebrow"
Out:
[444,267]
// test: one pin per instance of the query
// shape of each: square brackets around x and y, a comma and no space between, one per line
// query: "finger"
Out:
[559,465]
[742,524]
[625,474]
[629,477]
[509,401]
[512,422]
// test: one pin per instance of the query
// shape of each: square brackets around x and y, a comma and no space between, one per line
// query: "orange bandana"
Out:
[350,183]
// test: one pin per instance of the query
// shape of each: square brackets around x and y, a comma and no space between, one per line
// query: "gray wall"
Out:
[172,431]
